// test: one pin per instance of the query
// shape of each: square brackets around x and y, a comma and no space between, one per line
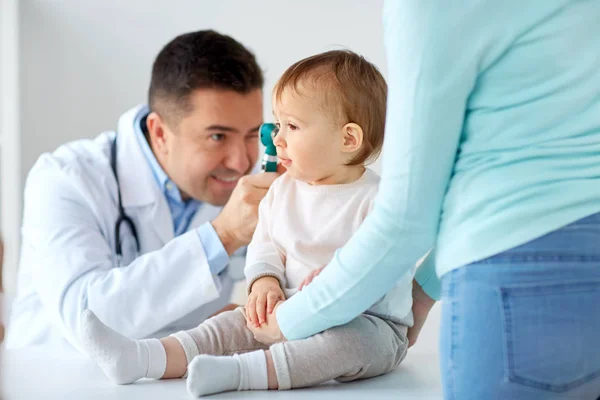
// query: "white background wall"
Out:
[84,62]
[10,150]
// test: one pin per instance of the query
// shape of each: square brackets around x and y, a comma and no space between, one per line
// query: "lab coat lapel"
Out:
[139,190]
[158,218]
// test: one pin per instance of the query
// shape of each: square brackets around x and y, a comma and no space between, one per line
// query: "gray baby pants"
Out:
[365,347]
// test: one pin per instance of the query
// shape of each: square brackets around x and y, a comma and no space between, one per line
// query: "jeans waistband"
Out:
[578,241]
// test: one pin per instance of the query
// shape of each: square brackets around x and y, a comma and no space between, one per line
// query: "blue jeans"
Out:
[525,324]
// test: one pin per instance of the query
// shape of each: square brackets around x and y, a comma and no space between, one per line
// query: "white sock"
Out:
[253,370]
[213,374]
[121,359]
[188,344]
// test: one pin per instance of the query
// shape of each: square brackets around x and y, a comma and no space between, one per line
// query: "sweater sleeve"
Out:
[432,70]
[262,258]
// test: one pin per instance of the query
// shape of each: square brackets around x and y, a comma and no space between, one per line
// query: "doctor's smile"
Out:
[231,181]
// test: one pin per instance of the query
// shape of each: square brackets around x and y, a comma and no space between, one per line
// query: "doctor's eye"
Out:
[218,137]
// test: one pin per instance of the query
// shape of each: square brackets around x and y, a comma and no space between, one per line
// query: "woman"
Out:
[492,157]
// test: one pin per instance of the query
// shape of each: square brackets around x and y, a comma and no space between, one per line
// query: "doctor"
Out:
[120,223]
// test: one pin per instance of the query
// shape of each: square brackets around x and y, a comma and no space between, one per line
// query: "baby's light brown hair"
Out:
[352,88]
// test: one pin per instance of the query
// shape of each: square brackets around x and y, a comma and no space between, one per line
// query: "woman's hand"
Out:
[268,333]
[309,278]
[422,303]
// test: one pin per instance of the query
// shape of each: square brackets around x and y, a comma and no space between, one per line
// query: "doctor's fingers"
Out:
[281,169]
[263,180]
[253,195]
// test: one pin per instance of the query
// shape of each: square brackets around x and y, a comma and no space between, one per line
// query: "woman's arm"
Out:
[432,70]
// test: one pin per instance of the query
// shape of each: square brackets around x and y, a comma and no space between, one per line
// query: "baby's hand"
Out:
[264,294]
[310,277]
[269,333]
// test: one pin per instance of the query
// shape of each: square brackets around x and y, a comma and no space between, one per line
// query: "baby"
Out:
[330,111]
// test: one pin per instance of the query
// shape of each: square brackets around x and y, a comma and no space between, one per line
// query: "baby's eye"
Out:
[292,127]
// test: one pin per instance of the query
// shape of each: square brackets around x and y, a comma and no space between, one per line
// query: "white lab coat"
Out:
[68,260]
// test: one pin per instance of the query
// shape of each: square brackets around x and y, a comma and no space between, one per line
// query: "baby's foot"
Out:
[121,359]
[212,374]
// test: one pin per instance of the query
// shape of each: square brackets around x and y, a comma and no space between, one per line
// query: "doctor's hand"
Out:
[265,293]
[236,223]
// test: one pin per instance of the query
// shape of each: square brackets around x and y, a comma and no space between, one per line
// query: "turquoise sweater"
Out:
[492,140]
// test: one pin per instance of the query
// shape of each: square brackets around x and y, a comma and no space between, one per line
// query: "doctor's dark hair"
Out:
[200,60]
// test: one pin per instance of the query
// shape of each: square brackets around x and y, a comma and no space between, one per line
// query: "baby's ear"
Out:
[352,137]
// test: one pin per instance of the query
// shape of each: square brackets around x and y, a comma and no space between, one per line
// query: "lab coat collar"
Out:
[138,186]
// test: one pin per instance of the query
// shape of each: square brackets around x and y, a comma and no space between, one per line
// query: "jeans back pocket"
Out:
[552,334]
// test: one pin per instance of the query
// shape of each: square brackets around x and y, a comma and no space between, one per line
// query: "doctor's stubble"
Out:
[215,142]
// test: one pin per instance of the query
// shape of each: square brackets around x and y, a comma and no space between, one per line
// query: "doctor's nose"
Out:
[238,158]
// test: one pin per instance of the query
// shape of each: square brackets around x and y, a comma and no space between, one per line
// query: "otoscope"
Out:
[268,131]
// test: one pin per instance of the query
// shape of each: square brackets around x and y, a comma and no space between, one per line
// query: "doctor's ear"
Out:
[157,132]
[352,137]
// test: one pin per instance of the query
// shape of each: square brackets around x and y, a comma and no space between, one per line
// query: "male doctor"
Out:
[177,161]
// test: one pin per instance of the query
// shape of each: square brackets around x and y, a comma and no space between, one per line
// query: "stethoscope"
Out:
[122,218]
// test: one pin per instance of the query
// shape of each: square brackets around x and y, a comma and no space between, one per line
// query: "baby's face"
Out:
[309,142]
